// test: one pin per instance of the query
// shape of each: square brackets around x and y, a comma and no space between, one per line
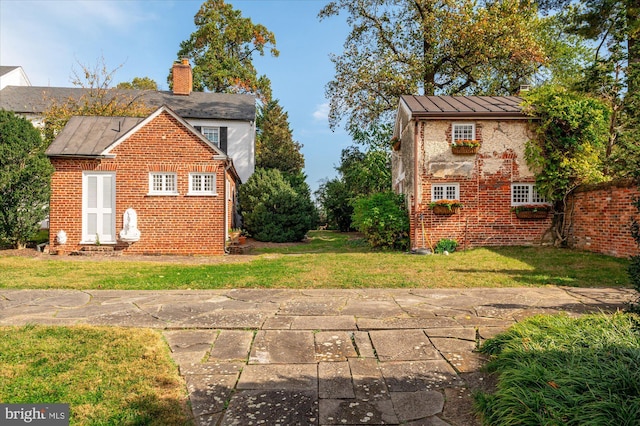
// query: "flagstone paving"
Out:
[319,357]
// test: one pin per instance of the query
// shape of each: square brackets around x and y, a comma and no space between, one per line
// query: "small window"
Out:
[163,184]
[446,191]
[525,193]
[212,134]
[464,131]
[202,184]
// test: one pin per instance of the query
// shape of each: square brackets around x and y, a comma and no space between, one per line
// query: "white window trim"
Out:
[216,129]
[212,193]
[169,193]
[453,130]
[530,196]
[455,185]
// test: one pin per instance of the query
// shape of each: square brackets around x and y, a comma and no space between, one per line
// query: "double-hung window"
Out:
[212,134]
[525,193]
[463,131]
[202,184]
[445,191]
[163,183]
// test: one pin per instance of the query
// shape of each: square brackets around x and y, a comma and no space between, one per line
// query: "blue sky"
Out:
[50,38]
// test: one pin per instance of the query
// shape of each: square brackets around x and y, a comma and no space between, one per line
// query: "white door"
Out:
[98,208]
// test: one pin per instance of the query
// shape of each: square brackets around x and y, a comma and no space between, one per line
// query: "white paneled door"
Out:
[98,208]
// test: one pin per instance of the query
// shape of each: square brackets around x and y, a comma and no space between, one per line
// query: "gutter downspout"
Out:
[415,186]
[226,206]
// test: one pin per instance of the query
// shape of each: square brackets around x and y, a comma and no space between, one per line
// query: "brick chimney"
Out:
[182,77]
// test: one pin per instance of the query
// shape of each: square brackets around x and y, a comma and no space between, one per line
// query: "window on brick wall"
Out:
[525,193]
[463,131]
[202,184]
[163,183]
[445,191]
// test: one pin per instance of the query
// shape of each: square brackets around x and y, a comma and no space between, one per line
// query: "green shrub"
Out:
[447,245]
[383,220]
[272,210]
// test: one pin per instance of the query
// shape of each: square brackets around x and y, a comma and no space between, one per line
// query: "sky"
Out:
[51,39]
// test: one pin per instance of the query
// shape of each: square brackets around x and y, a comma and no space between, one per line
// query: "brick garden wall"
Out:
[601,218]
[181,224]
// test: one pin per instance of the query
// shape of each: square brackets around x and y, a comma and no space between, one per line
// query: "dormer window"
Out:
[212,134]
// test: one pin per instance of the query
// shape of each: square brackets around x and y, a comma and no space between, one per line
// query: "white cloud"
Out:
[322,112]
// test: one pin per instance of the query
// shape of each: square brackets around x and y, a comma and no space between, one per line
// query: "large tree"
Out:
[398,47]
[275,147]
[25,173]
[222,48]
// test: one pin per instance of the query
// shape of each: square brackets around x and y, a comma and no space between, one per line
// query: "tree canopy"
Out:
[222,48]
[398,47]
[98,99]
[275,147]
[25,173]
[139,83]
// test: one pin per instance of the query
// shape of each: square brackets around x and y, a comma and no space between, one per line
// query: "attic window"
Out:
[212,134]
[463,131]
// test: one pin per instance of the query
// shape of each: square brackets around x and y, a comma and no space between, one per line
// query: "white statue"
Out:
[61,237]
[130,231]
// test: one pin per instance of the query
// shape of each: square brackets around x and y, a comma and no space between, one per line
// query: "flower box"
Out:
[464,150]
[445,207]
[465,147]
[531,212]
[445,211]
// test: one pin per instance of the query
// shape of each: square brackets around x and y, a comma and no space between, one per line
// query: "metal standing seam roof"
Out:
[89,136]
[464,106]
[203,105]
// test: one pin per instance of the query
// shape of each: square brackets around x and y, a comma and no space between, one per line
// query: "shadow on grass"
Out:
[319,242]
[558,266]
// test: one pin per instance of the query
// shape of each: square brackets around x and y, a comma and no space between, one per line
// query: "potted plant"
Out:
[531,211]
[445,207]
[465,146]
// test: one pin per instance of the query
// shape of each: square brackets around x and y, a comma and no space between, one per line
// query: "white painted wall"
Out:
[241,143]
[15,77]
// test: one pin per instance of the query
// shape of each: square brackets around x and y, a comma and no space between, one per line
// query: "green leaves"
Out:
[383,219]
[222,49]
[25,173]
[572,134]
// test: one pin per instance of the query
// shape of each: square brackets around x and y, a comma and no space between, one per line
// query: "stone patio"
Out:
[318,357]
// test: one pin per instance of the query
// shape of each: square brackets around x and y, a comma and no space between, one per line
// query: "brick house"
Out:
[471,150]
[179,185]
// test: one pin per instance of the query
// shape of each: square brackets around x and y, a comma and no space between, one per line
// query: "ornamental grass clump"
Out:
[558,370]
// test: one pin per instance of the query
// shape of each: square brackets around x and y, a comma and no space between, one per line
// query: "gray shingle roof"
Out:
[90,136]
[34,100]
[464,106]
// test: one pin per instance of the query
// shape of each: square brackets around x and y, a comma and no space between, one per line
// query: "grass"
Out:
[328,260]
[109,376]
[556,370]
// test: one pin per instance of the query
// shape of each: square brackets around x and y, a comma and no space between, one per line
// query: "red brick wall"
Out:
[601,218]
[180,224]
[486,218]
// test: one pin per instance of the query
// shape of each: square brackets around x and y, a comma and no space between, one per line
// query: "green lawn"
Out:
[328,260]
[555,370]
[108,376]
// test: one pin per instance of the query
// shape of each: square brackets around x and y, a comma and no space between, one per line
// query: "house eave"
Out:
[84,156]
[478,116]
